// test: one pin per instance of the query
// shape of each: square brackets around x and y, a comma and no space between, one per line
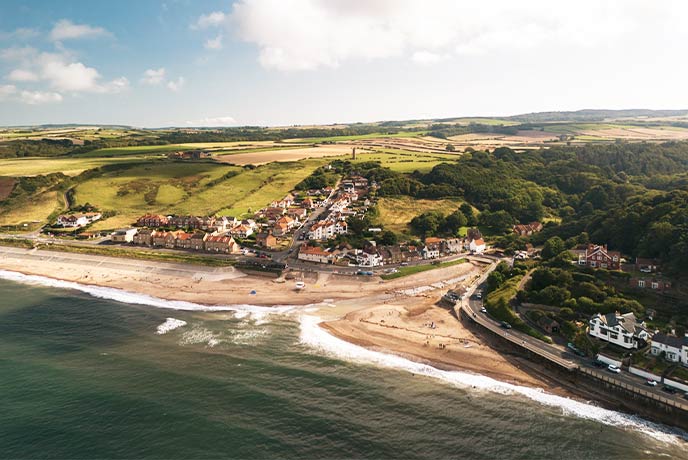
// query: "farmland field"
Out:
[396,213]
[70,166]
[404,161]
[286,154]
[188,188]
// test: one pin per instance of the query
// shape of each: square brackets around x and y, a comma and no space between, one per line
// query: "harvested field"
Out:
[639,133]
[268,156]
[396,213]
[6,186]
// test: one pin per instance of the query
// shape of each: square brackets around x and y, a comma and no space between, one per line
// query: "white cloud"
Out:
[214,43]
[7,90]
[327,33]
[22,75]
[22,33]
[214,19]
[153,76]
[427,57]
[213,121]
[17,53]
[40,97]
[65,29]
[176,85]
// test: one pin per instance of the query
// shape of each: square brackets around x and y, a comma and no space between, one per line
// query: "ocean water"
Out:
[85,376]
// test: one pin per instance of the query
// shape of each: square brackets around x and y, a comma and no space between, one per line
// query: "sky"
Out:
[152,63]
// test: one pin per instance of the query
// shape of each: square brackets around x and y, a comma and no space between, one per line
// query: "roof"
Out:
[433,240]
[219,239]
[313,250]
[479,242]
[670,340]
[626,321]
[184,236]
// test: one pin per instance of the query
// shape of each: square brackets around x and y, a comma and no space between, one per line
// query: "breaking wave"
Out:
[318,338]
[170,324]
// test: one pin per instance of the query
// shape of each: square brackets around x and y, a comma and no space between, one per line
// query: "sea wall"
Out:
[644,374]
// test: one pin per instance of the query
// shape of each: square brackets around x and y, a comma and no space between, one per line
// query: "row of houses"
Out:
[527,229]
[78,220]
[178,239]
[220,224]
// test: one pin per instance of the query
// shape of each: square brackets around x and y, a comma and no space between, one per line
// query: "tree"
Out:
[494,280]
[427,223]
[467,210]
[388,238]
[454,222]
[553,247]
[450,148]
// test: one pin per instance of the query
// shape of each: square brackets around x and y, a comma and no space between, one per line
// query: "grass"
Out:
[413,269]
[405,162]
[497,304]
[396,213]
[189,188]
[38,209]
[71,166]
[315,140]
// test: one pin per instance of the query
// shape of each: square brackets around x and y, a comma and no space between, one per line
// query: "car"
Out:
[483,310]
[614,369]
[478,295]
[505,325]
[404,264]
[652,383]
[668,389]
[597,363]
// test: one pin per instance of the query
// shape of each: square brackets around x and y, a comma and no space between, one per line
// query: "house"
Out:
[197,241]
[124,235]
[287,222]
[241,231]
[224,223]
[194,222]
[266,240]
[431,251]
[183,240]
[473,234]
[221,243]
[675,349]
[280,228]
[297,213]
[391,254]
[477,246]
[307,204]
[369,257]
[315,254]
[548,324]
[622,330]
[527,229]
[452,246]
[341,227]
[321,230]
[165,239]
[158,239]
[78,220]
[348,187]
[655,284]
[358,181]
[144,237]
[152,220]
[597,256]
[646,265]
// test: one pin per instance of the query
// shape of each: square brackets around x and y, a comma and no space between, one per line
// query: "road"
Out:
[560,355]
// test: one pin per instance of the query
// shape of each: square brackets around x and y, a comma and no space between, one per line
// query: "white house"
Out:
[124,235]
[675,348]
[369,257]
[315,254]
[477,246]
[322,230]
[622,330]
[78,220]
[431,251]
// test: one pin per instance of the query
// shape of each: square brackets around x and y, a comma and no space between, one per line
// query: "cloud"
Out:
[176,85]
[213,121]
[7,90]
[18,53]
[153,76]
[65,29]
[22,75]
[214,19]
[22,33]
[75,76]
[328,33]
[214,43]
[40,97]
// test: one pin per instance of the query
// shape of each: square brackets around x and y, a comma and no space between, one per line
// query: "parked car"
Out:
[505,325]
[614,369]
[670,390]
[483,310]
[652,383]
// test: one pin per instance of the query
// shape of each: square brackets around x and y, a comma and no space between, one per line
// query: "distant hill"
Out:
[590,115]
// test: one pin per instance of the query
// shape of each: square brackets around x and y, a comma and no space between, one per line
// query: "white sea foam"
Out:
[170,324]
[200,335]
[316,337]
[121,295]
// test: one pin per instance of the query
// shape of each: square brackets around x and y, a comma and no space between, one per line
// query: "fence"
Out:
[608,360]
[644,374]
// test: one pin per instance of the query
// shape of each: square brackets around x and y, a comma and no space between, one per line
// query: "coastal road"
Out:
[554,353]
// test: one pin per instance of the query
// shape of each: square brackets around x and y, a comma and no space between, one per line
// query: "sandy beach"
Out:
[398,316]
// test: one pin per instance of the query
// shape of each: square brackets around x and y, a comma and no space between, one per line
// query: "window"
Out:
[603,331]
[627,339]
[655,285]
[593,264]
[641,283]
[614,335]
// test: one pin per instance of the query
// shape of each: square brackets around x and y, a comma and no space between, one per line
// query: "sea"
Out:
[99,373]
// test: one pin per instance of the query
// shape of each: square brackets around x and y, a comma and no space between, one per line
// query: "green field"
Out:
[189,188]
[396,213]
[316,140]
[413,269]
[71,166]
[405,161]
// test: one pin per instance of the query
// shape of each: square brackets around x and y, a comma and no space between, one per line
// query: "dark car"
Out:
[670,390]
[505,325]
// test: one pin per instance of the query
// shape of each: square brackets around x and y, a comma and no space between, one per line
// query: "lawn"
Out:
[396,213]
[413,269]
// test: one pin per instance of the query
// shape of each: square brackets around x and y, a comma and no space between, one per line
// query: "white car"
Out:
[613,368]
[483,310]
[652,383]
